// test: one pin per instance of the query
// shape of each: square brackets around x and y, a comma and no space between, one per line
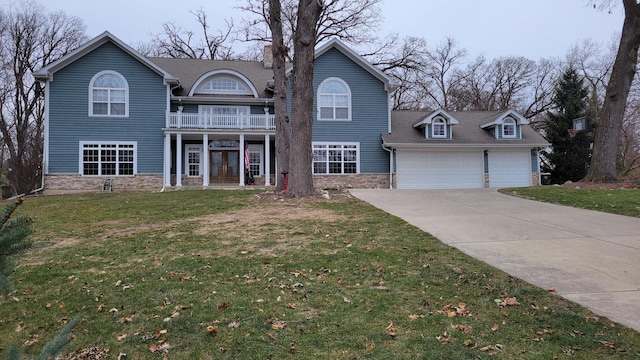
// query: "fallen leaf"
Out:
[278,325]
[211,329]
[413,317]
[444,338]
[160,332]
[291,305]
[607,344]
[127,319]
[20,327]
[551,290]
[234,324]
[100,307]
[48,306]
[495,327]
[121,337]
[465,329]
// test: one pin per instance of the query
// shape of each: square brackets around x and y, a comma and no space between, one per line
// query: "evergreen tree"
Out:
[14,238]
[569,156]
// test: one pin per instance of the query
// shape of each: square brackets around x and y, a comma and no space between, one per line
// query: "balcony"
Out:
[181,120]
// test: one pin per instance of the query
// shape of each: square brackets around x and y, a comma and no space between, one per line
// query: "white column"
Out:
[167,160]
[205,160]
[241,160]
[267,161]
[178,160]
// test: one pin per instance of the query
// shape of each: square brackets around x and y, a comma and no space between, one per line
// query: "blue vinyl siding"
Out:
[69,122]
[369,111]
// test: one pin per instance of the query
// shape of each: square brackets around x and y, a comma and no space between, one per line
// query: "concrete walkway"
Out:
[589,257]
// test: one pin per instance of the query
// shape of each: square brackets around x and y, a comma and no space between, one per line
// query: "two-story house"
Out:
[117,119]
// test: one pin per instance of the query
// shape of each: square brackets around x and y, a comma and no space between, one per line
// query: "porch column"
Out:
[178,160]
[267,161]
[167,161]
[241,160]
[205,160]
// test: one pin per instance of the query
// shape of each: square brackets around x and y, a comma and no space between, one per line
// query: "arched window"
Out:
[108,95]
[508,128]
[224,85]
[334,100]
[439,128]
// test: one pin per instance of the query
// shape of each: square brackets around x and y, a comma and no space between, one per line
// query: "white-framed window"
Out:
[193,159]
[224,85]
[114,158]
[255,159]
[336,158]
[108,95]
[508,128]
[439,128]
[334,100]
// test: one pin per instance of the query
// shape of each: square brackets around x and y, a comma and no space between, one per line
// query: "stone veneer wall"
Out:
[357,181]
[94,183]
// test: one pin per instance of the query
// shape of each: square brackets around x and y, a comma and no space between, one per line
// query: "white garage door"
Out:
[509,168]
[440,169]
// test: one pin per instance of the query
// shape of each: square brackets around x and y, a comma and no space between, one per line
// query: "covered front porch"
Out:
[218,158]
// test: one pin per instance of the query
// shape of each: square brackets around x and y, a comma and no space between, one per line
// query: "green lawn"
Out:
[232,274]
[615,201]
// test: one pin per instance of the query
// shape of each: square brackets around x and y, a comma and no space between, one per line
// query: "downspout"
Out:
[390,165]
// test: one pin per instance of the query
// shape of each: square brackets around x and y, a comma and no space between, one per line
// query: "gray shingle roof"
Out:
[466,133]
[190,70]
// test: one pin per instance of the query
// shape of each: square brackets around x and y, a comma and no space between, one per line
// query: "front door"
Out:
[225,166]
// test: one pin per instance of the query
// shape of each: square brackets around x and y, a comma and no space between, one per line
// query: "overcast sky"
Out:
[533,29]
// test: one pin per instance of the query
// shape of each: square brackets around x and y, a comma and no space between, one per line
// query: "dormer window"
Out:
[439,128]
[508,128]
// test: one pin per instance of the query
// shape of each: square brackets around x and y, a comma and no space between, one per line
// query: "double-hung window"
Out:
[439,128]
[108,158]
[108,95]
[336,158]
[334,100]
[508,128]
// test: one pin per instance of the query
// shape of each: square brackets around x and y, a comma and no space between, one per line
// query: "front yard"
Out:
[241,274]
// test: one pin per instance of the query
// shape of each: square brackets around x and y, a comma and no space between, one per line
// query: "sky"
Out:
[533,29]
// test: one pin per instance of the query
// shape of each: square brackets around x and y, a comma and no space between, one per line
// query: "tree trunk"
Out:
[605,147]
[279,51]
[300,175]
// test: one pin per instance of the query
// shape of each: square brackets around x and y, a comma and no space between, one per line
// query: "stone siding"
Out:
[357,181]
[56,183]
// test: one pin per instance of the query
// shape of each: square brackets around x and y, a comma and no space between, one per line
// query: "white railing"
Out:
[183,120]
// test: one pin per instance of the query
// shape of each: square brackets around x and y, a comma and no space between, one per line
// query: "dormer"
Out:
[507,126]
[438,125]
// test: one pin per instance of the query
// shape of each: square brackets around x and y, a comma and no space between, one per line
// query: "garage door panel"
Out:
[439,170]
[509,168]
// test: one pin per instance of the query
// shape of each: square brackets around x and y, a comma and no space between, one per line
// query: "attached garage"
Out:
[509,168]
[422,169]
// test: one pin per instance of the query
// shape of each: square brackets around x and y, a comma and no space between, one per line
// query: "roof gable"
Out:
[521,120]
[47,72]
[451,120]
[335,43]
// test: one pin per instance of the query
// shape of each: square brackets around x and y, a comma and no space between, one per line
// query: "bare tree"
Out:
[353,22]
[304,41]
[441,63]
[605,147]
[29,40]
[283,130]
[177,42]
[403,60]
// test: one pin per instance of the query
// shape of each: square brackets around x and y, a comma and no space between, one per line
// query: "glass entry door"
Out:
[224,166]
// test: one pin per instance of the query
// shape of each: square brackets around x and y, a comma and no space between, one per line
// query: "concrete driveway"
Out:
[589,257]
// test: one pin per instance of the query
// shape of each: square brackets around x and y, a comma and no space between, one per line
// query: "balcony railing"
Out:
[182,120]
